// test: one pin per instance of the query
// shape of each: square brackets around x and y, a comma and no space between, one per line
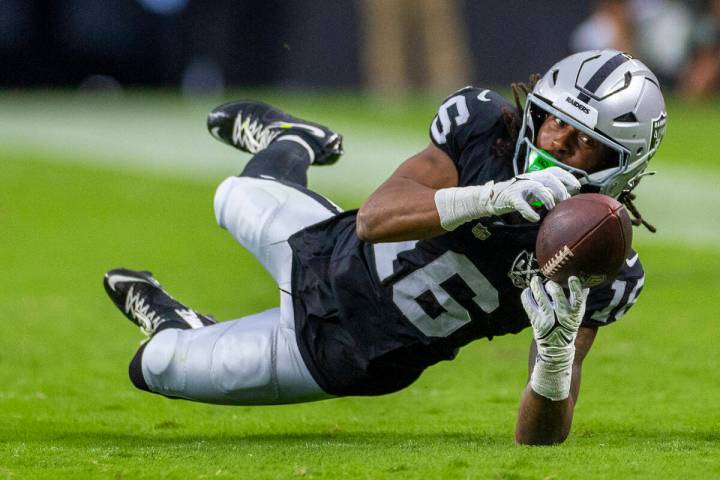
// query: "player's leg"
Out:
[262,214]
[254,360]
[249,361]
[269,201]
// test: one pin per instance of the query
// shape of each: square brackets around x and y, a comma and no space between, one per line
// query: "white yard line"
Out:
[170,138]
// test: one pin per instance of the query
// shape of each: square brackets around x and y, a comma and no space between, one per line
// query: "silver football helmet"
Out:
[612,97]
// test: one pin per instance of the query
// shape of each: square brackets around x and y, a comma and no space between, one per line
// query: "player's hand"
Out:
[549,186]
[560,182]
[555,317]
[458,205]
[555,320]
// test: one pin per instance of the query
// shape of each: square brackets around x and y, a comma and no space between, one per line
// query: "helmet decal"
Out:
[658,131]
[600,75]
[583,112]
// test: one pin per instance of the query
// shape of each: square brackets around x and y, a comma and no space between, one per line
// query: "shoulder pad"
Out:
[467,112]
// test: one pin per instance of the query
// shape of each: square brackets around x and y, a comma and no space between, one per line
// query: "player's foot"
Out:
[143,301]
[252,126]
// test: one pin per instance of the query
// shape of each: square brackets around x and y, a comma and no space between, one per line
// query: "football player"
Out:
[441,254]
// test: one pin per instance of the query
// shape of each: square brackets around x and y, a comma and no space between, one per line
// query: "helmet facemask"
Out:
[610,180]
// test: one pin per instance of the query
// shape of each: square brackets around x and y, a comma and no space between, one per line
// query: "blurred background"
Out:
[386,45]
[128,83]
[105,161]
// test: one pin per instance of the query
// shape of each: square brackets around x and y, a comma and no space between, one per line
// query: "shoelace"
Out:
[136,307]
[252,135]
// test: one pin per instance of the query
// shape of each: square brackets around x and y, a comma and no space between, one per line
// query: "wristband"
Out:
[552,379]
[459,205]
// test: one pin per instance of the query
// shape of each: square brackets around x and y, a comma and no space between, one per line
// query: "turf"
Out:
[648,409]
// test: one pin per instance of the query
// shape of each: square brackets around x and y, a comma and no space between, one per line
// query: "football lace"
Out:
[558,261]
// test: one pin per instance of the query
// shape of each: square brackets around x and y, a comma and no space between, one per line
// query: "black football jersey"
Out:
[371,317]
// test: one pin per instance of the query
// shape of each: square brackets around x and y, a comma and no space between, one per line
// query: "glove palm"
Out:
[555,319]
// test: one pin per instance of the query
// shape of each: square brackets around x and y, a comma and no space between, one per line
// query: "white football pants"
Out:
[252,360]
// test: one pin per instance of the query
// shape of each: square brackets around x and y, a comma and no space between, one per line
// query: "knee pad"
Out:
[243,363]
[247,197]
[159,369]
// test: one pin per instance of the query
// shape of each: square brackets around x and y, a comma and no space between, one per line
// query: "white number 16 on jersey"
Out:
[452,282]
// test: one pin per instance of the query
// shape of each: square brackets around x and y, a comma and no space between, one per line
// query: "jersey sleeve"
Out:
[463,118]
[611,301]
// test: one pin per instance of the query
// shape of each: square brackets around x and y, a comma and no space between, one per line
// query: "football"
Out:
[588,236]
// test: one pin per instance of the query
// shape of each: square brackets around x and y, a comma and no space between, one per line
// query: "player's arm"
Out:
[421,199]
[542,421]
[403,208]
[546,417]
[559,347]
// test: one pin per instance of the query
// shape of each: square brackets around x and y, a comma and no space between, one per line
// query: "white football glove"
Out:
[461,204]
[555,320]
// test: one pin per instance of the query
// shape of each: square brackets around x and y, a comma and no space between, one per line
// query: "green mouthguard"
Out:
[540,160]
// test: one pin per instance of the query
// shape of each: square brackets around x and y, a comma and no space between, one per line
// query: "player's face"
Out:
[571,146]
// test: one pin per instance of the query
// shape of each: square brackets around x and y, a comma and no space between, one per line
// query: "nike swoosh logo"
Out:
[114,279]
[482,96]
[217,115]
[313,130]
[632,261]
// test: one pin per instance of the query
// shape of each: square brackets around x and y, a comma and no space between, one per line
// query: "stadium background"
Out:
[105,162]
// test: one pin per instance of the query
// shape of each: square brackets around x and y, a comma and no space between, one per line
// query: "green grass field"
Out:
[91,184]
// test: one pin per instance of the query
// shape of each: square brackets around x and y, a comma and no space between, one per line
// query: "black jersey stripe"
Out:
[600,76]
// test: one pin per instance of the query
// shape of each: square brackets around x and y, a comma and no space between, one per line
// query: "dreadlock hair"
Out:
[627,198]
[504,147]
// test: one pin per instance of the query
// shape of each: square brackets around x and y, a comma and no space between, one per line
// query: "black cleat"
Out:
[143,301]
[252,126]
